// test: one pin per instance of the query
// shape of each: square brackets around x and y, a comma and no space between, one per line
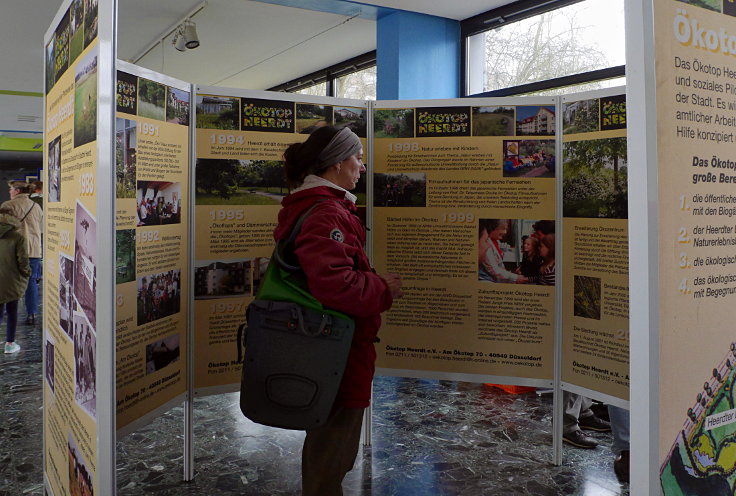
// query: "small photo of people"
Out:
[85,371]
[80,478]
[158,203]
[587,297]
[66,292]
[49,372]
[85,263]
[223,278]
[161,353]
[516,251]
[528,158]
[159,295]
[407,189]
[54,170]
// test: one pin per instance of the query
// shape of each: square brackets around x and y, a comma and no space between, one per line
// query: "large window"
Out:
[354,78]
[541,47]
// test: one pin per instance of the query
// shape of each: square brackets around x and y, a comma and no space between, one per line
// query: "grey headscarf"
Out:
[343,145]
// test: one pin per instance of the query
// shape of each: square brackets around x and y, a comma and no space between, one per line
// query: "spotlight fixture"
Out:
[186,36]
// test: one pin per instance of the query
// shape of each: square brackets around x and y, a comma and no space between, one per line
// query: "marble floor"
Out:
[429,438]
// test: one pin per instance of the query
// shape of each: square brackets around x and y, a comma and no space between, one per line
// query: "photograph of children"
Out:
[493,121]
[61,46]
[240,182]
[151,99]
[177,106]
[535,121]
[54,170]
[50,66]
[85,100]
[126,94]
[528,158]
[407,189]
[159,295]
[85,263]
[260,265]
[124,256]
[311,116]
[66,292]
[90,21]
[76,45]
[581,117]
[394,123]
[80,479]
[85,372]
[587,299]
[161,353]
[222,278]
[516,251]
[352,118]
[218,112]
[126,143]
[158,203]
[49,369]
[595,179]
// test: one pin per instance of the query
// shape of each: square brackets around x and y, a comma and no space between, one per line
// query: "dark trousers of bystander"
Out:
[329,452]
[12,311]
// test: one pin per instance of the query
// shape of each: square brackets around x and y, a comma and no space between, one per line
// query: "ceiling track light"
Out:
[186,36]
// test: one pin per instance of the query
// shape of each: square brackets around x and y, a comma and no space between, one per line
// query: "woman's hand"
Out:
[522,280]
[393,281]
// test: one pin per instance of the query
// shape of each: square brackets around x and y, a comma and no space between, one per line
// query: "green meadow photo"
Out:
[240,182]
[151,99]
[85,100]
[493,121]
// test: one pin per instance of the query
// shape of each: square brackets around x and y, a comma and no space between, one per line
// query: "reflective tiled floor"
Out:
[429,438]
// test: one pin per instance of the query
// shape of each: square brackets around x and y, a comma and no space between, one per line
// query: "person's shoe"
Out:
[578,439]
[12,348]
[621,467]
[31,319]
[593,423]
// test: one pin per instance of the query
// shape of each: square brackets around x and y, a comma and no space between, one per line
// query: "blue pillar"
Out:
[418,56]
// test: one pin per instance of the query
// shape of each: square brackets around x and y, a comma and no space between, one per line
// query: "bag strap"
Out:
[282,245]
[29,211]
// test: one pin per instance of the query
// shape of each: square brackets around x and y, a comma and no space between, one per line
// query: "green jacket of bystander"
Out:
[14,266]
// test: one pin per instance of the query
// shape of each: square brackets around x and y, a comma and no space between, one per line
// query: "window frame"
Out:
[329,75]
[517,11]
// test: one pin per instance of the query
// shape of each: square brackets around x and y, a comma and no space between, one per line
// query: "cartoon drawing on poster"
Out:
[85,371]
[85,263]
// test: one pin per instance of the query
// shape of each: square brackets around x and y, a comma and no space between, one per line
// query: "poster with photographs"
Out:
[53,168]
[85,371]
[85,263]
[463,194]
[595,310]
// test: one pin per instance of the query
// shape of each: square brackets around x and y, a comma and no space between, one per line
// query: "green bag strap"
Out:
[282,245]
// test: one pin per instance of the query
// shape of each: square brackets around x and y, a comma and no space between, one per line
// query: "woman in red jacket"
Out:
[330,251]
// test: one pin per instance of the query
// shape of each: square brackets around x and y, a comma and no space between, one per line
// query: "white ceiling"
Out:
[244,43]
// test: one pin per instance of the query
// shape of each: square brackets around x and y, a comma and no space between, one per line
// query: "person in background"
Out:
[621,437]
[546,275]
[578,417]
[321,172]
[36,193]
[14,272]
[31,227]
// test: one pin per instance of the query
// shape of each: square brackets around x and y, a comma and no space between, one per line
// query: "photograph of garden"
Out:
[493,121]
[594,182]
[50,61]
[393,123]
[76,45]
[151,99]
[311,116]
[125,158]
[217,112]
[240,182]
[177,106]
[352,118]
[85,100]
[90,21]
[124,256]
[706,4]
[400,190]
[587,299]
[61,46]
[581,116]
[529,158]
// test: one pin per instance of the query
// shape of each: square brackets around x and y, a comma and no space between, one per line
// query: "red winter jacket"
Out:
[330,250]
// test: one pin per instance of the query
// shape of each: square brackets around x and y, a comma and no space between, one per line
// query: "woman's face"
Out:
[350,170]
[528,246]
[498,233]
[544,251]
